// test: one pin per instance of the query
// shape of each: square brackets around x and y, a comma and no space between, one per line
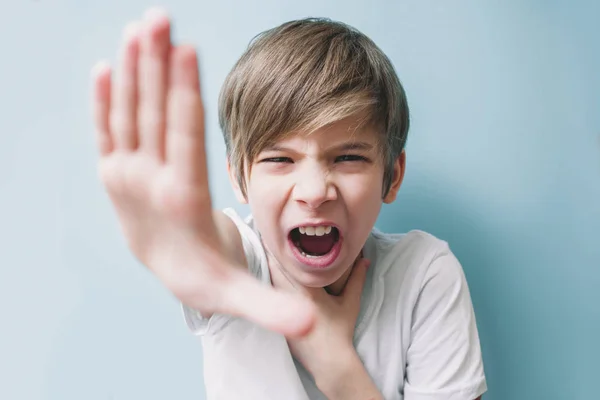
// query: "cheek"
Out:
[363,189]
[362,197]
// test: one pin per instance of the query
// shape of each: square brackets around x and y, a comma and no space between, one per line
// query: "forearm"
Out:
[222,249]
[349,380]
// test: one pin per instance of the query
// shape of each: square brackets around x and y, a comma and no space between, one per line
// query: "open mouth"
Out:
[315,241]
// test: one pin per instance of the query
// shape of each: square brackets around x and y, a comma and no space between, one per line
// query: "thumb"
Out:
[356,282]
[290,314]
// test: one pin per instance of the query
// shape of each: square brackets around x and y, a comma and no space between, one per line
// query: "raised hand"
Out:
[150,132]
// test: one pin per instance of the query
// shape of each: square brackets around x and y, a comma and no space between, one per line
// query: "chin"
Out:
[316,278]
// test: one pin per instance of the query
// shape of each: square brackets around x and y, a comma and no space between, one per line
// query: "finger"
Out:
[101,80]
[356,282]
[185,117]
[286,313]
[123,117]
[154,55]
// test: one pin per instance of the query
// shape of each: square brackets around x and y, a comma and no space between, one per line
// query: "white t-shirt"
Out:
[416,333]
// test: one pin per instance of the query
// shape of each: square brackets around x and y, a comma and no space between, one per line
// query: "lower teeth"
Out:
[308,255]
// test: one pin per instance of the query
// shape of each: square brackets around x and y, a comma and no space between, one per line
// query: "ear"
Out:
[397,177]
[235,184]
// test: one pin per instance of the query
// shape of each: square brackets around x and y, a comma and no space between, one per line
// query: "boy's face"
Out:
[315,199]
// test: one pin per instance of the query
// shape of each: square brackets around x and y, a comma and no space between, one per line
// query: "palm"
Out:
[150,127]
[149,199]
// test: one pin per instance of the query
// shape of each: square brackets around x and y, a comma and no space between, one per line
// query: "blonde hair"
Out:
[303,75]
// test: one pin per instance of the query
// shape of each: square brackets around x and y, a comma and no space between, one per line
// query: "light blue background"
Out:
[503,162]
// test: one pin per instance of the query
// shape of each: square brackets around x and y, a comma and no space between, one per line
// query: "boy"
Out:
[315,122]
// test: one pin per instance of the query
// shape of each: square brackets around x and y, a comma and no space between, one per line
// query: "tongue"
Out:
[317,245]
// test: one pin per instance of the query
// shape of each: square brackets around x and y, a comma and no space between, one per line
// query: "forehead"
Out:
[353,131]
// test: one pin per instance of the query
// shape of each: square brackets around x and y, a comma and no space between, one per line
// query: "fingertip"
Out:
[101,93]
[101,81]
[156,13]
[132,30]
[101,68]
[364,262]
[156,19]
[367,263]
[185,55]
[188,52]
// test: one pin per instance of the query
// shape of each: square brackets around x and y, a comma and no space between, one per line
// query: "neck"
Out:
[337,287]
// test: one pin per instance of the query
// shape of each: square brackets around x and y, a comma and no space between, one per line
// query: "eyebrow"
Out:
[348,146]
[353,146]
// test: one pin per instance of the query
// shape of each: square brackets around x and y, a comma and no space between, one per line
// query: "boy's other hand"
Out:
[329,347]
[328,352]
[149,120]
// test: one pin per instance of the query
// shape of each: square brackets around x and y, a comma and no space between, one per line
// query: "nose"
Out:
[313,187]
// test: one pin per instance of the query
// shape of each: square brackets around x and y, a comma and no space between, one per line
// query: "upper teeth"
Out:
[315,230]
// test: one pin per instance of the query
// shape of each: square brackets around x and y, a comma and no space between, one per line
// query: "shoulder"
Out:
[413,241]
[424,303]
[408,251]
[408,262]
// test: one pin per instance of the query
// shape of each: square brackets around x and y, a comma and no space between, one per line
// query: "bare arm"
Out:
[149,121]
[231,239]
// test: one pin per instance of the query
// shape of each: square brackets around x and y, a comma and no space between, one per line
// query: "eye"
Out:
[277,160]
[350,157]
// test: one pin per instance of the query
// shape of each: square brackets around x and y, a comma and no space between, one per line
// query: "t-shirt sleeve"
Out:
[444,358]
[195,321]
